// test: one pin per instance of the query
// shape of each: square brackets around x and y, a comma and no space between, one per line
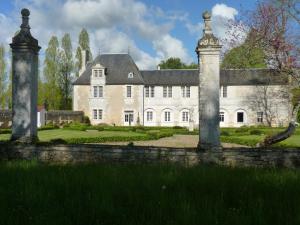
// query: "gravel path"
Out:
[176,141]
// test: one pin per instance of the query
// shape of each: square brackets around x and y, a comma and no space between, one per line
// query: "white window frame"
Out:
[185,91]
[130,75]
[128,91]
[167,116]
[149,116]
[222,117]
[95,114]
[147,91]
[95,91]
[185,116]
[260,117]
[100,91]
[152,91]
[224,92]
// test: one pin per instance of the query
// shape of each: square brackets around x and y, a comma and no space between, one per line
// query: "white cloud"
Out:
[224,11]
[113,25]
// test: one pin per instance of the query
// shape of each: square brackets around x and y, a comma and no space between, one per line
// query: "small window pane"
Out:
[152,91]
[95,114]
[149,116]
[100,91]
[185,116]
[95,91]
[165,91]
[188,92]
[100,114]
[147,91]
[100,73]
[224,91]
[128,91]
[170,91]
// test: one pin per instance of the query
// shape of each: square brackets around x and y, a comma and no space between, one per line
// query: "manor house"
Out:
[112,90]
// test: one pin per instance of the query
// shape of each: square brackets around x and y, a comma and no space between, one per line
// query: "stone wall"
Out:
[64,116]
[288,158]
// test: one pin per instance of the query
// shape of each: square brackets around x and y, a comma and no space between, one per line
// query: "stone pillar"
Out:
[208,50]
[24,83]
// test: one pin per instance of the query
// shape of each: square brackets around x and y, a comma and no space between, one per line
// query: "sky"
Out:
[150,30]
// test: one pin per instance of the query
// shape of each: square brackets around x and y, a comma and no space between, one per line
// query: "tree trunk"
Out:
[284,134]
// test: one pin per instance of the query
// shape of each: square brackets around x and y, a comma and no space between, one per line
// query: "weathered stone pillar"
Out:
[24,83]
[208,50]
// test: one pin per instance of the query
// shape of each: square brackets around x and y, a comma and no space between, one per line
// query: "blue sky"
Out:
[153,30]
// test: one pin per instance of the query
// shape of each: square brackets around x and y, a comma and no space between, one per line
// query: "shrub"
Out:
[76,126]
[5,131]
[225,133]
[256,132]
[86,120]
[177,127]
[49,126]
[242,129]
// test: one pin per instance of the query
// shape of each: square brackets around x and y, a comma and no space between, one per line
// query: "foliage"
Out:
[175,63]
[83,44]
[86,120]
[256,132]
[2,77]
[65,76]
[49,126]
[244,56]
[51,74]
[147,194]
[76,126]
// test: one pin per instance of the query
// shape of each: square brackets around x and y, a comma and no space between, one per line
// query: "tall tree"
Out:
[244,56]
[51,74]
[83,44]
[66,67]
[271,25]
[176,63]
[2,76]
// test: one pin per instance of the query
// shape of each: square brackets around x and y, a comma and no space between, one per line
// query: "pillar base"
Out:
[209,147]
[25,140]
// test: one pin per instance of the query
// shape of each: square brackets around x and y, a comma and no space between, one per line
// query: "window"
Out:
[221,117]
[149,116]
[152,91]
[128,91]
[95,73]
[170,92]
[167,116]
[100,93]
[165,91]
[128,117]
[224,92]
[240,117]
[130,75]
[100,114]
[147,91]
[95,91]
[100,72]
[95,115]
[186,91]
[185,116]
[260,117]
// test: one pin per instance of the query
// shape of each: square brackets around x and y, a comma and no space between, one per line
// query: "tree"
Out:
[244,56]
[83,44]
[51,74]
[66,67]
[270,26]
[2,76]
[175,63]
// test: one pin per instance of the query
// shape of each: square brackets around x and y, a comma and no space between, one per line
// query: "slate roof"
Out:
[119,65]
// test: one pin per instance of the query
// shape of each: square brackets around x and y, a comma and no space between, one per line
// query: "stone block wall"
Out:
[64,116]
[239,157]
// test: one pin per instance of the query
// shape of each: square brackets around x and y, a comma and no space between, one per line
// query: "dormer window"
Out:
[130,75]
[98,73]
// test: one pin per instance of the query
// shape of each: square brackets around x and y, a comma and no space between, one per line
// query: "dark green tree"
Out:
[52,74]
[83,44]
[66,68]
[2,77]
[175,63]
[244,56]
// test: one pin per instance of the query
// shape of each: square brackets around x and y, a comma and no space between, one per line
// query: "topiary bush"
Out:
[76,126]
[225,133]
[256,132]
[242,129]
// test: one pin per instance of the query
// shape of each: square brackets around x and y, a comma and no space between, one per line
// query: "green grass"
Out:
[36,194]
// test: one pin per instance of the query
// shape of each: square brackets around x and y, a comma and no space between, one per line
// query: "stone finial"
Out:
[208,39]
[25,20]
[207,22]
[23,38]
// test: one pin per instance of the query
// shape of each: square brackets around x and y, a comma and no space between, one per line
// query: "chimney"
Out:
[84,60]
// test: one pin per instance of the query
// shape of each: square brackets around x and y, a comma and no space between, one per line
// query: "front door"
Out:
[128,118]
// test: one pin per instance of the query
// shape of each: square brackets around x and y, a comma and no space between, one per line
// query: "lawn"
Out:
[34,194]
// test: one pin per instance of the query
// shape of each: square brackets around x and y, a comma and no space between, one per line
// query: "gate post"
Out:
[25,50]
[208,51]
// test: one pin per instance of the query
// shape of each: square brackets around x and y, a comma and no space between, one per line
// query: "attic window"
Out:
[130,75]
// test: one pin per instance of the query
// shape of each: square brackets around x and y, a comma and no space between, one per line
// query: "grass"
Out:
[31,193]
